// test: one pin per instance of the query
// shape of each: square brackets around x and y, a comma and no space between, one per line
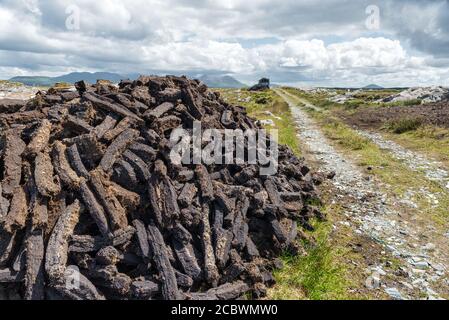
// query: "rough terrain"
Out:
[16,91]
[432,169]
[374,117]
[419,247]
[94,206]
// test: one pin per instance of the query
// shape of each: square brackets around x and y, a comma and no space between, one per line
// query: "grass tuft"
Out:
[345,136]
[403,125]
[315,276]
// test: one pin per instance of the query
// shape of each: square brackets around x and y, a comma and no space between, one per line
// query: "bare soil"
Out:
[375,117]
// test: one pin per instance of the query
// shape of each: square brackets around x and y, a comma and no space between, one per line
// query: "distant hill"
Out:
[220,81]
[213,81]
[373,86]
[69,78]
[90,77]
[34,81]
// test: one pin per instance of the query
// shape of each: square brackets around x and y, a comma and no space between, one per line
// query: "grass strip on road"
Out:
[395,175]
[321,272]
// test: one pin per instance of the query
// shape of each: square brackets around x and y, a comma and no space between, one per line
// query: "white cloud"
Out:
[363,60]
[367,52]
[231,57]
[320,43]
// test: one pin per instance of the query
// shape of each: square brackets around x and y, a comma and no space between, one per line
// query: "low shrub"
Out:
[403,125]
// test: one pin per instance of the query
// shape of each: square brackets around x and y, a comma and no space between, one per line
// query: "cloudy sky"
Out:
[305,42]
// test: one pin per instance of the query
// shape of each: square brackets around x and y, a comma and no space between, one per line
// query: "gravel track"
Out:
[371,212]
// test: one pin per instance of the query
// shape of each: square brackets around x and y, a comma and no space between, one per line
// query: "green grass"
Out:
[324,273]
[373,95]
[365,98]
[432,132]
[408,132]
[315,276]
[403,125]
[353,104]
[407,103]
[345,137]
[426,139]
[319,274]
[15,84]
[257,107]
[395,174]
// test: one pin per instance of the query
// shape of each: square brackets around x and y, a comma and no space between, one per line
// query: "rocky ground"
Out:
[424,94]
[91,189]
[404,253]
[419,95]
[409,240]
[432,169]
[374,117]
[16,91]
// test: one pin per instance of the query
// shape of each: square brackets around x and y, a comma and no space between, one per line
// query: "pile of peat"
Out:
[91,207]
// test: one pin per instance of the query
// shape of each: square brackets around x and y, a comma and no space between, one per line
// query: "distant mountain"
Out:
[213,81]
[69,78]
[220,81]
[34,81]
[90,77]
[373,86]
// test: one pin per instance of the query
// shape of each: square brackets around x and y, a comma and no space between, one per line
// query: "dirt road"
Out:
[371,212]
[432,169]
